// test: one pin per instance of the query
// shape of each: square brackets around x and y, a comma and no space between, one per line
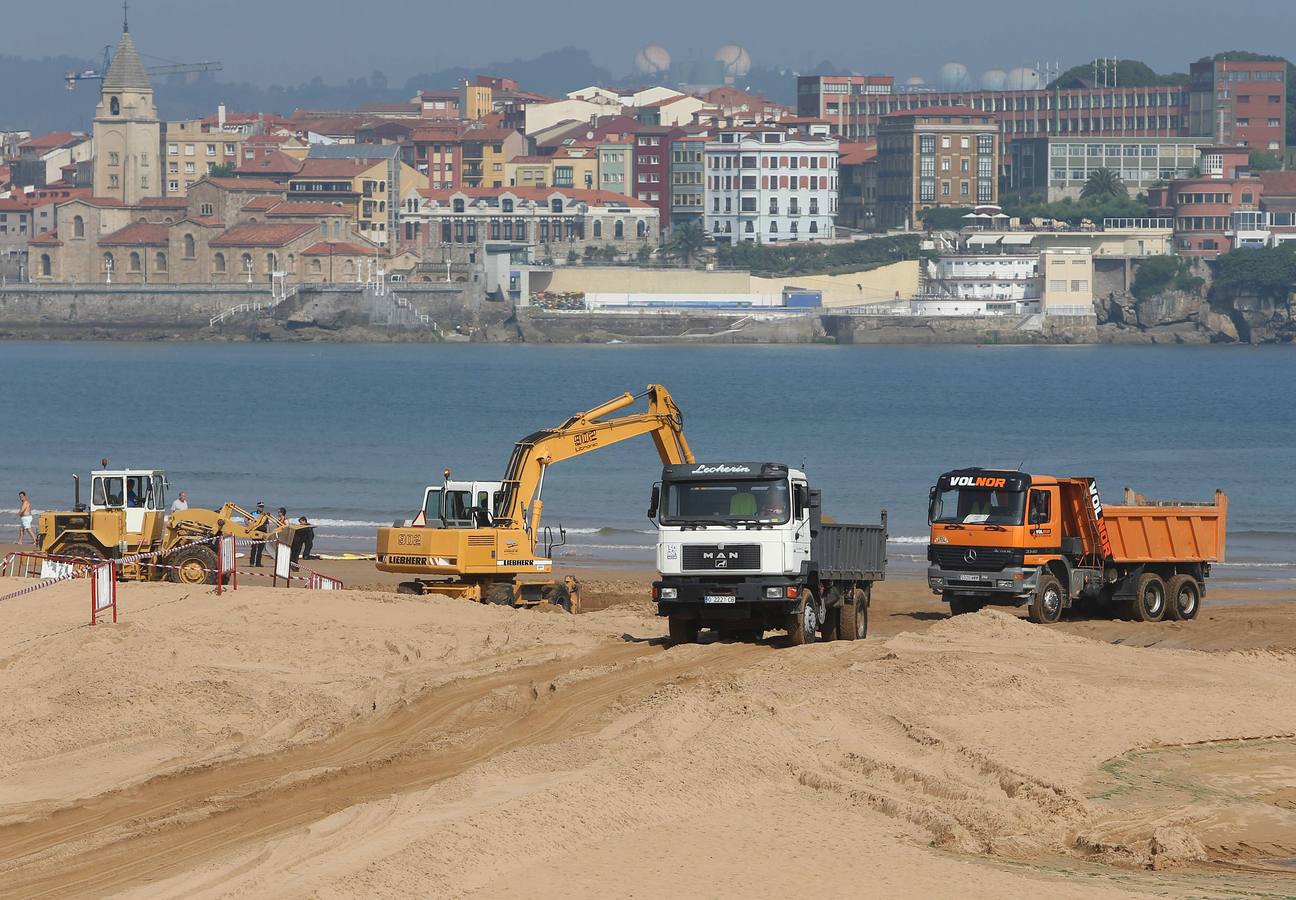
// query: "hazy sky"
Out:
[285,41]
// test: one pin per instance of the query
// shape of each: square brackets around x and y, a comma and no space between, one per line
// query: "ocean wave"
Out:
[907,539]
[1254,565]
[346,523]
[570,547]
[607,532]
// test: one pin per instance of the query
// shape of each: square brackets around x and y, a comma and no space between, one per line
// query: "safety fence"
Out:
[103,574]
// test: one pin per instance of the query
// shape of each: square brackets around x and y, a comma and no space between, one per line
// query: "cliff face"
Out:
[1184,318]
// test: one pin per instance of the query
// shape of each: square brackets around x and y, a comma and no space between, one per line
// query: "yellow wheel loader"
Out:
[479,551]
[127,516]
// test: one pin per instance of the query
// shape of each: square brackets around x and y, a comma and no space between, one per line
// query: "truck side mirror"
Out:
[933,504]
[653,502]
[800,498]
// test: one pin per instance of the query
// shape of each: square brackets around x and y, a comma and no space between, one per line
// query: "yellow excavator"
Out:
[127,516]
[478,552]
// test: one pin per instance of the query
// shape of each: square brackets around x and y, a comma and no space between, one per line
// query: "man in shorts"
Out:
[25,519]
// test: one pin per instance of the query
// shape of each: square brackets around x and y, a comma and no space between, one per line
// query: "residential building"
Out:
[16,230]
[540,116]
[857,185]
[575,166]
[1204,206]
[652,168]
[687,181]
[1239,103]
[559,220]
[127,132]
[616,164]
[527,171]
[937,157]
[190,151]
[40,159]
[485,149]
[1057,168]
[768,184]
[372,176]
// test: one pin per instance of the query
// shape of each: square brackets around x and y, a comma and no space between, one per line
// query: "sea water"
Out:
[350,434]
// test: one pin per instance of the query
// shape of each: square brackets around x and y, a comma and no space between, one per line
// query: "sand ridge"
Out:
[361,743]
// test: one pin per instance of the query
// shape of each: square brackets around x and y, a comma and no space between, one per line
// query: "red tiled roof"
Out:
[16,204]
[47,239]
[307,208]
[336,168]
[53,140]
[100,201]
[273,162]
[263,185]
[857,152]
[204,221]
[338,248]
[261,235]
[1283,183]
[139,234]
[261,204]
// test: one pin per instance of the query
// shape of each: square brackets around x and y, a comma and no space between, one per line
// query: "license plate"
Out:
[720,598]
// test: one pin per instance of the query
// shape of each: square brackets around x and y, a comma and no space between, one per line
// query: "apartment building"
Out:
[687,180]
[1058,167]
[191,150]
[940,156]
[768,184]
[1239,103]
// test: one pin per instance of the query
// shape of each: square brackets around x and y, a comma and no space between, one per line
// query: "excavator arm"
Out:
[520,506]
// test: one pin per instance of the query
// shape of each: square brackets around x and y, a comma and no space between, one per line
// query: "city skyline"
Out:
[989,35]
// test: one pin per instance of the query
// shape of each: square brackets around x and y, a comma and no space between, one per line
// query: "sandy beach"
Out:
[361,743]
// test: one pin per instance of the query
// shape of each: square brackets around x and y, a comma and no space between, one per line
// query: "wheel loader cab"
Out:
[136,499]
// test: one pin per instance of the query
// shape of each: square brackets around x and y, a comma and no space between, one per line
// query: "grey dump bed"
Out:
[851,552]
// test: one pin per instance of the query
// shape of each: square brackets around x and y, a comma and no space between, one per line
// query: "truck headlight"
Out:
[935,582]
[773,593]
[667,593]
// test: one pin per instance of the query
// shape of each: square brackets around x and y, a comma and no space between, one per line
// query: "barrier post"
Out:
[227,563]
[103,590]
[282,565]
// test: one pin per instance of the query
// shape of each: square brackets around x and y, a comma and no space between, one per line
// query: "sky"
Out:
[291,41]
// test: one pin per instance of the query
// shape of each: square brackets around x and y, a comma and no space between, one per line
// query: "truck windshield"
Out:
[722,502]
[978,506]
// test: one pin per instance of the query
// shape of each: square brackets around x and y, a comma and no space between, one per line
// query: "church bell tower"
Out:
[127,134]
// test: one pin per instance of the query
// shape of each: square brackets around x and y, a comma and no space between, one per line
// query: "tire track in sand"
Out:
[173,823]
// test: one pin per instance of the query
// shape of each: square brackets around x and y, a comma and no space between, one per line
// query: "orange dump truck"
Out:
[1008,538]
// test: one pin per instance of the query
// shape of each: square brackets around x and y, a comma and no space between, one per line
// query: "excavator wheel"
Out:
[193,565]
[499,595]
[81,550]
[559,596]
[409,587]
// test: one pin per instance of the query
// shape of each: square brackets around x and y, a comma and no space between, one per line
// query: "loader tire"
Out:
[1149,603]
[1183,598]
[1046,605]
[193,565]
[683,631]
[80,550]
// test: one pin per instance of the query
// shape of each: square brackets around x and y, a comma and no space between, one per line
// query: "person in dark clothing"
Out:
[303,540]
[257,549]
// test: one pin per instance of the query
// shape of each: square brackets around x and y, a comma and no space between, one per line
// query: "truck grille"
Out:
[723,558]
[984,559]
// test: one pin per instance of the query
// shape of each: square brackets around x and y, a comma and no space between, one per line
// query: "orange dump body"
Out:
[1168,533]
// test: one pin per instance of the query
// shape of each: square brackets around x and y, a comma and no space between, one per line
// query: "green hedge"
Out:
[781,260]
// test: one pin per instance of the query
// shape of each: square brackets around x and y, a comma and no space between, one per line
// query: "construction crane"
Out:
[477,551]
[71,77]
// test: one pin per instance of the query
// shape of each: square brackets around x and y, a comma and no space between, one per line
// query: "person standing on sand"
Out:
[303,539]
[25,519]
[258,547]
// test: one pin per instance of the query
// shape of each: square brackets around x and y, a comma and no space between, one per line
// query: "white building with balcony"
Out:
[766,184]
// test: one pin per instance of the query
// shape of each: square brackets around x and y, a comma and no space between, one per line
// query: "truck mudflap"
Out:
[1018,583]
[719,599]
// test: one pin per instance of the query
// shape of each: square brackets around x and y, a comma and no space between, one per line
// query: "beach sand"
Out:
[361,743]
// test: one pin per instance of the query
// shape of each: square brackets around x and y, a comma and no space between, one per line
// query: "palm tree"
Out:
[687,242]
[1103,183]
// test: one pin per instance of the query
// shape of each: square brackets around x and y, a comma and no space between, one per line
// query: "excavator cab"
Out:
[461,504]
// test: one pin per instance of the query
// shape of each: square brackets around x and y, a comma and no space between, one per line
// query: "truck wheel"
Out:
[1149,603]
[853,622]
[196,565]
[1046,605]
[960,606]
[85,554]
[802,625]
[499,595]
[1183,598]
[683,631]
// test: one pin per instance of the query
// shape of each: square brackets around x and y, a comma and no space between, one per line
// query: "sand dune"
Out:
[362,743]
